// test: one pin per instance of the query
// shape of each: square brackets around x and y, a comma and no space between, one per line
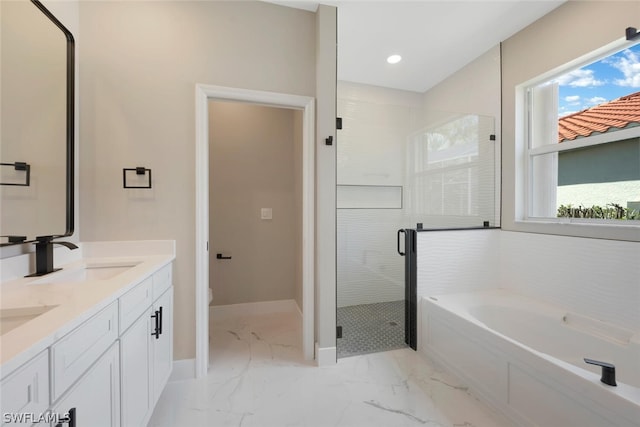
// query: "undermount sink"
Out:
[11,318]
[90,272]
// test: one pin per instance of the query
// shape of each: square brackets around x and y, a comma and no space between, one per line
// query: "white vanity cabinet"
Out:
[109,370]
[26,391]
[95,399]
[146,348]
[163,344]
[136,371]
[74,353]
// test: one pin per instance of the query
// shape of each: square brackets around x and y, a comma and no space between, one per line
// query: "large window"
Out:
[582,156]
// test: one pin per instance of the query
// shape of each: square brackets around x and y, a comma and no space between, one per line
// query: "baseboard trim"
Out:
[184,369]
[222,312]
[326,356]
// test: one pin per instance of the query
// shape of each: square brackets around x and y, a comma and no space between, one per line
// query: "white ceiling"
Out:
[435,38]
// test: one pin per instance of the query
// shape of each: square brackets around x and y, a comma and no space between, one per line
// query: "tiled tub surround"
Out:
[525,358]
[100,292]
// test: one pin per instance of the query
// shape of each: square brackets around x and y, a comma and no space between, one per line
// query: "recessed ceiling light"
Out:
[394,59]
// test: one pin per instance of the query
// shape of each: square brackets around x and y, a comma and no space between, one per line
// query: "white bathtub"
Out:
[525,358]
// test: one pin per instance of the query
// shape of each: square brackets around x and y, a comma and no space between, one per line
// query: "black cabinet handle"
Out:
[159,322]
[70,419]
[219,256]
[156,329]
[398,242]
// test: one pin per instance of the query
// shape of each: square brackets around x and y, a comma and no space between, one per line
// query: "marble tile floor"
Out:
[257,377]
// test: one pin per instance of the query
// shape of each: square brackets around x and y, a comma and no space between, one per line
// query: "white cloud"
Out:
[629,65]
[562,112]
[596,100]
[579,78]
[575,103]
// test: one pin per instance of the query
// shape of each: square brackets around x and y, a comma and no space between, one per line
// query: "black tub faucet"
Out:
[608,371]
[44,254]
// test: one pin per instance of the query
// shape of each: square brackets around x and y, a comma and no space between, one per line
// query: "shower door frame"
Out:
[410,286]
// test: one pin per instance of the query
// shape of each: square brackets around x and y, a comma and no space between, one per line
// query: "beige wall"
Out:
[572,30]
[325,238]
[252,165]
[140,64]
[474,89]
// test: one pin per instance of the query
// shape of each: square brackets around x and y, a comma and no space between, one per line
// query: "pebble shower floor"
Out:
[370,328]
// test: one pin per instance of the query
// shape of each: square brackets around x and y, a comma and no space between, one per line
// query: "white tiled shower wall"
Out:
[369,268]
[371,151]
[592,277]
[383,143]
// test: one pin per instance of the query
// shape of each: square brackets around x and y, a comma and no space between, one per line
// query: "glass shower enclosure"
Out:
[399,165]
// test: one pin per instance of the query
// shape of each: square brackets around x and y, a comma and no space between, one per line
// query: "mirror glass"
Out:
[36,136]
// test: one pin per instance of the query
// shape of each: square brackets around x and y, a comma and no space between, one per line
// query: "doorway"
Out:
[255,204]
[205,93]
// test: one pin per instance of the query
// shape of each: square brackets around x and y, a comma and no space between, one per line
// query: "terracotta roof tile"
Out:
[619,113]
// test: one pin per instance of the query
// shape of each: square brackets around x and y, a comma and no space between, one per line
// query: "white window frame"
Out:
[581,227]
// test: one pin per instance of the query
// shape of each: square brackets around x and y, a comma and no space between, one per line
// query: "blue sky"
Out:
[602,81]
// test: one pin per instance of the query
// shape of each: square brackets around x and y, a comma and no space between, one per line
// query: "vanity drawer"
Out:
[135,302]
[161,281]
[72,355]
[26,391]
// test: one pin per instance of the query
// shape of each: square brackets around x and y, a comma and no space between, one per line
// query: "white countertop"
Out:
[77,301]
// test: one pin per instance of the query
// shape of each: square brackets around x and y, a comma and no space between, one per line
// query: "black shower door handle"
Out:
[398,243]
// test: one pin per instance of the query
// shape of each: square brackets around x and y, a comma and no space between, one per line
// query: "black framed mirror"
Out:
[37,134]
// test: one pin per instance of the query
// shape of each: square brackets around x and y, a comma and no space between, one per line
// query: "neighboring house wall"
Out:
[140,64]
[600,175]
[611,162]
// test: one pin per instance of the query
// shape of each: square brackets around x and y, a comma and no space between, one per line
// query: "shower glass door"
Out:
[399,164]
[371,193]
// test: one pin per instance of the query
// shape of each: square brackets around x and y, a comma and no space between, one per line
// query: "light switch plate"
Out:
[266,213]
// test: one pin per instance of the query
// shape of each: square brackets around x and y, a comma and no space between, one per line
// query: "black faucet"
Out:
[44,254]
[608,371]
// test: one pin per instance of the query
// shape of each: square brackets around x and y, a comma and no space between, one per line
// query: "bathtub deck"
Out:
[517,353]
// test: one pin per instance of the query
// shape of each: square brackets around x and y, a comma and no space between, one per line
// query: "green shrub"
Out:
[610,211]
